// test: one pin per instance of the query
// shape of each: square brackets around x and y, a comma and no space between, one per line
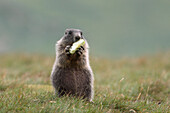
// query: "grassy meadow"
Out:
[121,85]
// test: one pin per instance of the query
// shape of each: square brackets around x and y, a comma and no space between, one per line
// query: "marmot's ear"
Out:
[81,33]
[66,31]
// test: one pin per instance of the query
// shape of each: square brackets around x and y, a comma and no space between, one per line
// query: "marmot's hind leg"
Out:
[88,94]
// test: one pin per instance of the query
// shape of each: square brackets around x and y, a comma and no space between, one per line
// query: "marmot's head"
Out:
[71,36]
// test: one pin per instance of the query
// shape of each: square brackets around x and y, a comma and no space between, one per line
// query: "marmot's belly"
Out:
[74,81]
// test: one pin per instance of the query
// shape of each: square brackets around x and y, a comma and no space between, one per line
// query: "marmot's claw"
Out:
[67,49]
[79,53]
[80,50]
[82,47]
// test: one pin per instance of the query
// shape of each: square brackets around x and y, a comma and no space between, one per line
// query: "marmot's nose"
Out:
[77,38]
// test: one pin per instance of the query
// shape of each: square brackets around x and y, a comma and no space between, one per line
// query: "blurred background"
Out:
[113,28]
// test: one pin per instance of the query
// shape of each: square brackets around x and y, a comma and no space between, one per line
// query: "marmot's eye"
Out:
[70,32]
[81,33]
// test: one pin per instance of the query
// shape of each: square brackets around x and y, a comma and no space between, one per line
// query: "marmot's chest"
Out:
[74,63]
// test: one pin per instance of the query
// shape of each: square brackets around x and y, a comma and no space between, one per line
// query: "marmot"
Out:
[71,73]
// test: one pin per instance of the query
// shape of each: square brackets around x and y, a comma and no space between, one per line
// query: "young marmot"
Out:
[71,73]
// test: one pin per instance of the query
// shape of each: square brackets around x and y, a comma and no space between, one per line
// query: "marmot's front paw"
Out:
[80,50]
[67,50]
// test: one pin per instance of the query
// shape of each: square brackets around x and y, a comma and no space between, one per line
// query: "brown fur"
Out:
[72,74]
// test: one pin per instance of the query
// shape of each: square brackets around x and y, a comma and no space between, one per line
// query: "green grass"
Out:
[123,85]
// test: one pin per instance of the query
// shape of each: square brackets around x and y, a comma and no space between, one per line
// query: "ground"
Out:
[121,85]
